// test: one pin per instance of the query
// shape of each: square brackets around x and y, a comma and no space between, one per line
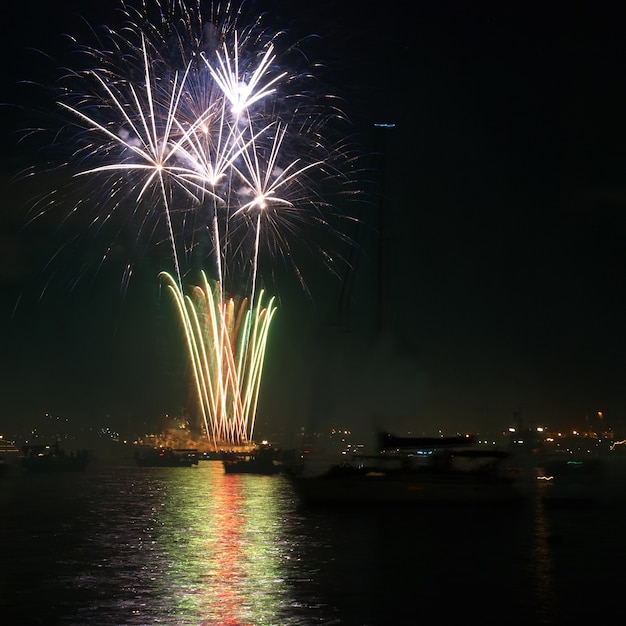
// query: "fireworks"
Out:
[200,127]
[226,345]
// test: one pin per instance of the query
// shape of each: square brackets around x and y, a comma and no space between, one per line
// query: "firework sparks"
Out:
[242,94]
[196,124]
[226,345]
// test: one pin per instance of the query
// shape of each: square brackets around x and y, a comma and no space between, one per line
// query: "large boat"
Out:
[167,457]
[414,471]
[53,458]
[264,459]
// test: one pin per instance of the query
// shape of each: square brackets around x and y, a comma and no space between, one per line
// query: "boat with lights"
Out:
[53,458]
[413,471]
[263,459]
[573,480]
[9,456]
[166,457]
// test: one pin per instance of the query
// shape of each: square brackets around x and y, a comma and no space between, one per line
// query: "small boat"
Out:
[413,471]
[263,460]
[10,456]
[53,458]
[574,480]
[166,457]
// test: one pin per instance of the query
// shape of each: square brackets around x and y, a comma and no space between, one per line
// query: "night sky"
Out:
[503,192]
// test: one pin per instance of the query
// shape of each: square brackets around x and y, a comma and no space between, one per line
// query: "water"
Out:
[177,546]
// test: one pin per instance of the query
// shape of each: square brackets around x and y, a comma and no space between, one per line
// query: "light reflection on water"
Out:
[222,541]
[151,546]
[215,549]
[194,546]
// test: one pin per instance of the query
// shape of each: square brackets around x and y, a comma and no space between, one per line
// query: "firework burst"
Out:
[203,129]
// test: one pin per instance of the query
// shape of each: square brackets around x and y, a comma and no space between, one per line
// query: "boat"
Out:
[413,471]
[166,457]
[264,460]
[574,480]
[53,458]
[9,456]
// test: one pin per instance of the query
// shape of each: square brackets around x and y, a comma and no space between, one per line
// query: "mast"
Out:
[383,131]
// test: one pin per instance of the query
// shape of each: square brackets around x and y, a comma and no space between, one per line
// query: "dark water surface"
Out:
[129,545]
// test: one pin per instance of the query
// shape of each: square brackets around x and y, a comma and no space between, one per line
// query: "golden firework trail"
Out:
[226,344]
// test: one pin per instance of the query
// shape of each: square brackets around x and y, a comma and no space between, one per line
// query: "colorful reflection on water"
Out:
[130,546]
[222,545]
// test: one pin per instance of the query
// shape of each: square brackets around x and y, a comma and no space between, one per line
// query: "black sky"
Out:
[503,190]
